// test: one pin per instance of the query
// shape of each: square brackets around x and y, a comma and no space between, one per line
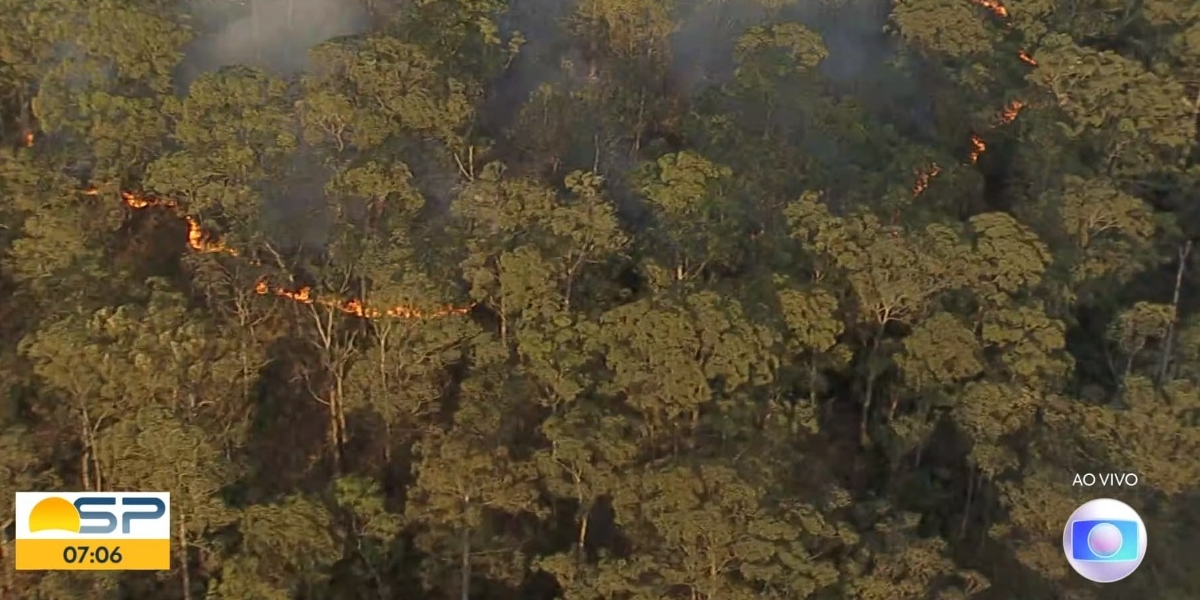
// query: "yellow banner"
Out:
[93,555]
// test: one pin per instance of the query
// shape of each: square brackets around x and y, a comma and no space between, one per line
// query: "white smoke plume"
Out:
[274,35]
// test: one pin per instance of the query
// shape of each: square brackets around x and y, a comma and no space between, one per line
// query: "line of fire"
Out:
[1007,115]
[199,240]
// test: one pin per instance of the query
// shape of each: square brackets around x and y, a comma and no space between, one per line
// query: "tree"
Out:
[621,300]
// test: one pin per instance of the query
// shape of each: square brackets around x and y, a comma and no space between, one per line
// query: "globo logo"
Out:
[1105,540]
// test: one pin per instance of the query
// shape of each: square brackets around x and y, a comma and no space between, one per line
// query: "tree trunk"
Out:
[503,324]
[812,380]
[340,416]
[89,461]
[85,462]
[25,121]
[869,393]
[583,530]
[464,573]
[184,570]
[1164,359]
[335,436]
[9,572]
[585,511]
[1195,127]
[865,419]
[971,479]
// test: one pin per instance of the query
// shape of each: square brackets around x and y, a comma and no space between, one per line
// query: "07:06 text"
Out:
[101,554]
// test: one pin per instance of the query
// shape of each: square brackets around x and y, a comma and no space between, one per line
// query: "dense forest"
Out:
[604,299]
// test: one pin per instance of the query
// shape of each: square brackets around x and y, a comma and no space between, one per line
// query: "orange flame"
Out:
[1011,111]
[27,139]
[923,179]
[356,307]
[994,6]
[200,241]
[977,148]
[135,201]
[197,239]
[1007,115]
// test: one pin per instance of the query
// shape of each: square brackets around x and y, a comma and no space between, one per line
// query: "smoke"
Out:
[702,46]
[852,30]
[274,35]
[702,49]
[547,46]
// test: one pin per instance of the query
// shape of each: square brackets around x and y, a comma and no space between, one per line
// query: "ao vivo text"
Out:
[1105,479]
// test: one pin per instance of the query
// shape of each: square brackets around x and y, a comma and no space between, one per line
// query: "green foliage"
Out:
[663,316]
[789,47]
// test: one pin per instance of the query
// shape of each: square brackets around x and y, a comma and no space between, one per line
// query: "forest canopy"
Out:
[604,299]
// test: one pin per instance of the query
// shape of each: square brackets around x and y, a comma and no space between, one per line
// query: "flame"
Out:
[1008,114]
[356,307]
[199,240]
[1011,111]
[923,179]
[27,139]
[994,6]
[138,202]
[977,148]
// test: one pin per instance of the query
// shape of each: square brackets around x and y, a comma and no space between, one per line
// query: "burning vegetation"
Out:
[356,307]
[201,241]
[923,179]
[1007,115]
[995,7]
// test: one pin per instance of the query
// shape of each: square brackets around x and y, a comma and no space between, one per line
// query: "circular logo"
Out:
[1105,540]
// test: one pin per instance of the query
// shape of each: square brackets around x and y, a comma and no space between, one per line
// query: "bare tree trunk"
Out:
[335,435]
[184,570]
[9,571]
[1164,359]
[503,325]
[87,460]
[340,415]
[25,125]
[465,566]
[869,393]
[585,512]
[971,482]
[96,469]
[1195,126]
[583,531]
[335,353]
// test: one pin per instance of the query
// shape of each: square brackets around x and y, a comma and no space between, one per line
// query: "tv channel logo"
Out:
[93,531]
[1105,540]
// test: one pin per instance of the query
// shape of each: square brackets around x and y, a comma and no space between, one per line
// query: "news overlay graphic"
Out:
[90,531]
[1105,540]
